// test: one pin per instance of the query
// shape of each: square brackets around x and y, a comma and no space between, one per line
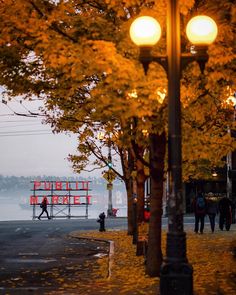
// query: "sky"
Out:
[29,148]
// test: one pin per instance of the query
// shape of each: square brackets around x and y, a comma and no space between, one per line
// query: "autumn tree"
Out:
[78,57]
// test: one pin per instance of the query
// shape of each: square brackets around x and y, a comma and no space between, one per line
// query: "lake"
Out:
[16,205]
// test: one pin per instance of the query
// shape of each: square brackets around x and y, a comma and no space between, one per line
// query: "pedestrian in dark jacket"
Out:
[212,211]
[225,210]
[102,217]
[43,205]
[199,209]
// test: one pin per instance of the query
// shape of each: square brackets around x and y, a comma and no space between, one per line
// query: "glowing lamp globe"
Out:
[201,30]
[145,31]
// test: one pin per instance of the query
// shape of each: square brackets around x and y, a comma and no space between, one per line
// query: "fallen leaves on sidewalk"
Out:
[127,270]
[210,255]
[213,262]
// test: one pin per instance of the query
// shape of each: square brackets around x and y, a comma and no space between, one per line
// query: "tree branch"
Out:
[53,26]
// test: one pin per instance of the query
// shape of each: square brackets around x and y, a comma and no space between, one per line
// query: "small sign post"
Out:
[110,176]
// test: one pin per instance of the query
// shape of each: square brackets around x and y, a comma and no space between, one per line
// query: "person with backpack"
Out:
[43,205]
[199,208]
[212,211]
[225,209]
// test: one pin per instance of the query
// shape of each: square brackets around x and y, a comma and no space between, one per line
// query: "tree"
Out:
[78,57]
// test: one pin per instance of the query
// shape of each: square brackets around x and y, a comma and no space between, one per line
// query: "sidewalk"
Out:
[210,254]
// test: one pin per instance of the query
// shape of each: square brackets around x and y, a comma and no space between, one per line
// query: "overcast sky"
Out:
[29,148]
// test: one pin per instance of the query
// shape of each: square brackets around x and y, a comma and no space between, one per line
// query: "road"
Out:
[35,255]
[30,250]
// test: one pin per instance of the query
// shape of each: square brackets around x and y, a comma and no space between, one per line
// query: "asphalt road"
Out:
[34,255]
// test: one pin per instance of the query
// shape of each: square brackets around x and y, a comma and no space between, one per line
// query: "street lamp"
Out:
[134,197]
[109,174]
[176,276]
[231,100]
[110,207]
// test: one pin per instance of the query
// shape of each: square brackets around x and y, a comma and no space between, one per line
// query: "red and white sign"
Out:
[61,200]
[61,192]
[61,185]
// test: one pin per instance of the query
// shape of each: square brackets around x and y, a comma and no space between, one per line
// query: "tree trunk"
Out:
[141,177]
[127,167]
[129,191]
[157,157]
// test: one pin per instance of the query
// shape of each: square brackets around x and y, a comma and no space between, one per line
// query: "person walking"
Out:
[212,211]
[225,210]
[101,219]
[199,209]
[43,205]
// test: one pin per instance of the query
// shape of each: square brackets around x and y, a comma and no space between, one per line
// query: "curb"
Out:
[111,250]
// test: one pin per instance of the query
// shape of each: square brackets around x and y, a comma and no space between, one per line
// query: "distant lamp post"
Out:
[108,174]
[231,100]
[176,273]
[135,199]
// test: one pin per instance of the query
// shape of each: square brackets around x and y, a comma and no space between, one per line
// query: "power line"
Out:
[31,114]
[16,121]
[13,135]
[6,115]
[26,131]
[20,125]
[29,111]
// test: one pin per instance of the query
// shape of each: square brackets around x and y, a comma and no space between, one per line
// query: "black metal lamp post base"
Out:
[176,277]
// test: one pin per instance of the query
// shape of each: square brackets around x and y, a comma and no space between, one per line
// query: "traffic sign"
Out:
[109,175]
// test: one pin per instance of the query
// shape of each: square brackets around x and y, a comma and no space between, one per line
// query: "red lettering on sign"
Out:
[37,184]
[76,200]
[60,199]
[65,200]
[77,185]
[85,185]
[68,186]
[58,185]
[55,199]
[89,200]
[33,200]
[47,185]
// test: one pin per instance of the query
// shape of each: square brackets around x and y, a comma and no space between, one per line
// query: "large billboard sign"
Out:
[61,193]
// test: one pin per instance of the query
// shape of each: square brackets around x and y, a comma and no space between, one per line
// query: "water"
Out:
[16,206]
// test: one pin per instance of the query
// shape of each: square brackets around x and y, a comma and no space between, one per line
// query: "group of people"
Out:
[202,207]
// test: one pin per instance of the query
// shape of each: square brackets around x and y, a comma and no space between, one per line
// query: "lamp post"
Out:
[229,159]
[134,196]
[176,273]
[109,174]
[110,207]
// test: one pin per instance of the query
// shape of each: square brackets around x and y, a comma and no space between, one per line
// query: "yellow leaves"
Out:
[75,41]
[128,272]
[186,5]
[211,274]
